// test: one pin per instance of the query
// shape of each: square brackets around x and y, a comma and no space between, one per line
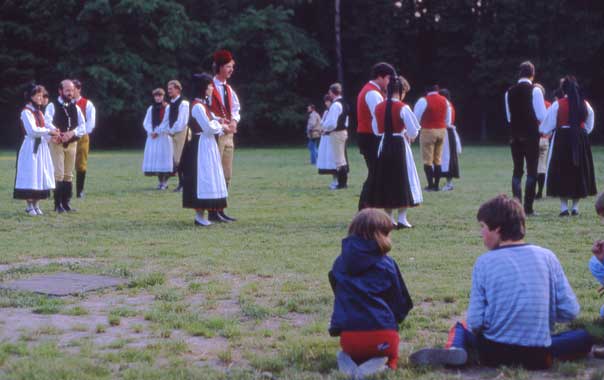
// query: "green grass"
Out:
[260,284]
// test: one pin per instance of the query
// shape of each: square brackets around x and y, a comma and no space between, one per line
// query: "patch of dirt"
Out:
[47,261]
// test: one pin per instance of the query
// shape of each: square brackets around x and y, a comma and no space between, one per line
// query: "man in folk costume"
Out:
[178,117]
[224,104]
[63,114]
[434,114]
[336,124]
[371,95]
[525,109]
[89,112]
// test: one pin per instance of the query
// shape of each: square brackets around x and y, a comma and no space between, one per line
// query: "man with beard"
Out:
[64,115]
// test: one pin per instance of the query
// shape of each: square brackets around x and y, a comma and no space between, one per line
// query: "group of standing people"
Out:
[55,142]
[194,140]
[566,168]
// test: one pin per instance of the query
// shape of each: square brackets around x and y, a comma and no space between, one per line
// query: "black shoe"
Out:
[58,197]
[574,212]
[215,217]
[538,196]
[178,189]
[428,188]
[67,194]
[80,179]
[80,195]
[563,213]
[401,226]
[59,208]
[226,217]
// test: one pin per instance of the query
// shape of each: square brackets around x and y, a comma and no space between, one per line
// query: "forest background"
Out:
[286,55]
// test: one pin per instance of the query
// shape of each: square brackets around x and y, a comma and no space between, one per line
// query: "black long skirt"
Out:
[453,158]
[389,183]
[565,179]
[189,180]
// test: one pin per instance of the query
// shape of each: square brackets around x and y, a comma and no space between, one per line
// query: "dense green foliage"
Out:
[285,54]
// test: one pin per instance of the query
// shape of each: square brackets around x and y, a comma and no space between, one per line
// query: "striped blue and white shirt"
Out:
[518,293]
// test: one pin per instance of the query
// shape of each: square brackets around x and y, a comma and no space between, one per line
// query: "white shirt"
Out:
[90,116]
[331,119]
[183,117]
[208,127]
[80,129]
[551,119]
[235,106]
[148,123]
[422,104]
[538,102]
[372,99]
[29,123]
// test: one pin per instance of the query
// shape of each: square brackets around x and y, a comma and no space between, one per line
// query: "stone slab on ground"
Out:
[63,284]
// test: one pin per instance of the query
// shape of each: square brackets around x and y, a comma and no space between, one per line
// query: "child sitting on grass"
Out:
[371,298]
[519,291]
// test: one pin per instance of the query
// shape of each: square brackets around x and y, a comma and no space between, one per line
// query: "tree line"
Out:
[286,55]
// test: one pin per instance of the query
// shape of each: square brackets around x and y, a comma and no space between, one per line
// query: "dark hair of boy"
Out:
[505,214]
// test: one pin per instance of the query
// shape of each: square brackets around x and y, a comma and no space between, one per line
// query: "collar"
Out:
[376,85]
[524,80]
[31,107]
[218,82]
[338,98]
[175,99]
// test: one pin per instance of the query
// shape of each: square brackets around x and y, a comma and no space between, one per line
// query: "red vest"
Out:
[562,118]
[218,107]
[435,115]
[363,114]
[398,125]
[82,103]
[193,124]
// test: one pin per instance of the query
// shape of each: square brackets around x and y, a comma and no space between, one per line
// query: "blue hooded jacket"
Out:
[370,293]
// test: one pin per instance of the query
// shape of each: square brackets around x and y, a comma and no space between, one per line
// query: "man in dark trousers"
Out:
[370,96]
[525,109]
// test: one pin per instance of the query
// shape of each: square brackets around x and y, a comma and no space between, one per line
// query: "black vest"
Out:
[65,118]
[341,125]
[174,115]
[523,121]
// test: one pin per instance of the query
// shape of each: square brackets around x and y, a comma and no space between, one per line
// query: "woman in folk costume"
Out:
[451,147]
[157,159]
[570,169]
[395,183]
[326,162]
[35,171]
[543,150]
[204,186]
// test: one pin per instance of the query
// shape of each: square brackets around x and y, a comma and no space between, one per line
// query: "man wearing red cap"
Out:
[224,104]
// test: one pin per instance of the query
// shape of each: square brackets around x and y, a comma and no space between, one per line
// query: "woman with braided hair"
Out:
[395,183]
[570,169]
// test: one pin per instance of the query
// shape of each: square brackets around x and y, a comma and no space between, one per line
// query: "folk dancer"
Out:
[63,114]
[224,104]
[35,172]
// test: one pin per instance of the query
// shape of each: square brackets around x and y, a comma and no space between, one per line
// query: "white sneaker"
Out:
[333,186]
[448,187]
[345,364]
[31,211]
[38,211]
[371,367]
[202,222]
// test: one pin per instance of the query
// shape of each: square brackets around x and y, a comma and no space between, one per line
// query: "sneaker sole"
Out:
[439,356]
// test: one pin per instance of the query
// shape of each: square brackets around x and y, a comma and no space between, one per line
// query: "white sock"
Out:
[563,204]
[576,205]
[402,217]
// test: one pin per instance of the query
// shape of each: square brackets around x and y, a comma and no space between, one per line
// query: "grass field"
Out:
[249,299]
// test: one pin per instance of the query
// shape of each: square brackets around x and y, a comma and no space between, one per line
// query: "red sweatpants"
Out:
[364,345]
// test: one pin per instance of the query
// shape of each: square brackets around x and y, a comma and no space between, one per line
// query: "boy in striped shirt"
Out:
[519,291]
